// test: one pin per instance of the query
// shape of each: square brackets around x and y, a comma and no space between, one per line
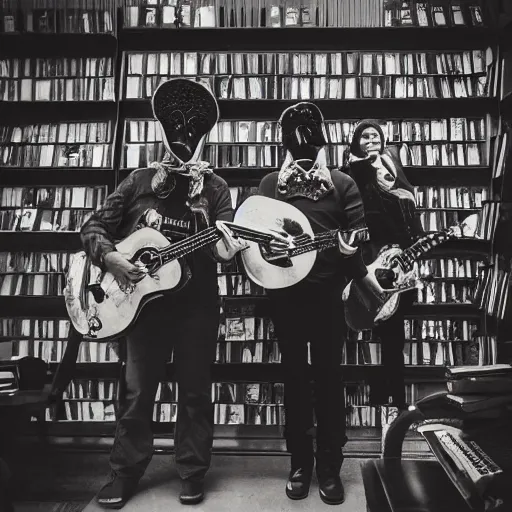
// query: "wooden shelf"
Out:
[506,104]
[260,306]
[40,240]
[93,370]
[312,39]
[417,175]
[448,175]
[266,372]
[423,373]
[444,310]
[338,109]
[57,45]
[228,439]
[16,112]
[505,36]
[56,176]
[37,307]
[471,248]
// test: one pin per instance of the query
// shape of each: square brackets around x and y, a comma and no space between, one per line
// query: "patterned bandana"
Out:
[163,181]
[382,172]
[295,181]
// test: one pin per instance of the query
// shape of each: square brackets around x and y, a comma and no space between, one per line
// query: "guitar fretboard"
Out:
[407,258]
[327,240]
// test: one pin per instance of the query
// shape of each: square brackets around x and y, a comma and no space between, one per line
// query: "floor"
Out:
[234,483]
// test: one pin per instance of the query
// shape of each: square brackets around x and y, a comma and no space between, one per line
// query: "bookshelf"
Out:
[494,279]
[444,143]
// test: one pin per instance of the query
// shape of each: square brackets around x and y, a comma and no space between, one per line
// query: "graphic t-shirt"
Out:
[134,204]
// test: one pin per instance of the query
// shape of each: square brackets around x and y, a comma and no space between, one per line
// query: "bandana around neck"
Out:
[295,181]
[163,181]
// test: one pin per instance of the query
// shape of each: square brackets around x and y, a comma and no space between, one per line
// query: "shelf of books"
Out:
[429,73]
[492,293]
[58,119]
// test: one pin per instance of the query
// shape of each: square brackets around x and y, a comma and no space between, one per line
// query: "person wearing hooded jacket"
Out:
[179,197]
[391,218]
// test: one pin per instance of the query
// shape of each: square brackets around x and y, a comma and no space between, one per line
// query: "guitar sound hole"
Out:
[149,258]
[292,227]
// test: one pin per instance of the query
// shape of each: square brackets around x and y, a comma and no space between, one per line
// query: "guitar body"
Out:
[357,314]
[263,213]
[97,306]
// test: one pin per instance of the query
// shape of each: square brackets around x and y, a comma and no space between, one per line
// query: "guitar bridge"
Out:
[279,260]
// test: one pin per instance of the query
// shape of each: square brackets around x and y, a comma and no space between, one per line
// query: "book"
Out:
[462,372]
[480,385]
[474,403]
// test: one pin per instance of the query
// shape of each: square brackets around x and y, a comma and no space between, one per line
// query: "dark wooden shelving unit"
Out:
[313,39]
[387,108]
[62,45]
[40,240]
[32,306]
[56,176]
[235,438]
[48,112]
[417,175]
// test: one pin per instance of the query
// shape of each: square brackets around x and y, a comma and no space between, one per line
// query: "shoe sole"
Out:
[331,502]
[112,506]
[193,500]
[297,498]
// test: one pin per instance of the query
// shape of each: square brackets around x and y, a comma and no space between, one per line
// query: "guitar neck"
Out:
[303,243]
[208,237]
[408,256]
[329,239]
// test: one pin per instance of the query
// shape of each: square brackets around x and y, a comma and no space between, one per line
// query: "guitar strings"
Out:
[211,234]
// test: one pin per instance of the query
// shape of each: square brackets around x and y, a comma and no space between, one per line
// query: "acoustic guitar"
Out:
[287,269]
[396,272]
[101,310]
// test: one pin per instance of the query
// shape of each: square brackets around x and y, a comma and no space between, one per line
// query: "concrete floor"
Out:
[248,484]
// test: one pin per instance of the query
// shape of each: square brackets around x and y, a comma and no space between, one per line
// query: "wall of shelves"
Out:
[248,438]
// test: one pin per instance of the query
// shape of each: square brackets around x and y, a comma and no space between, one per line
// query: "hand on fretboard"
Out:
[355,237]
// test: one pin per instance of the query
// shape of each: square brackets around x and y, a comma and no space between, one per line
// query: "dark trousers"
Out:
[188,324]
[392,336]
[313,313]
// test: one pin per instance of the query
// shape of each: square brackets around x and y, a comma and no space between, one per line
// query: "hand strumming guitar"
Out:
[125,272]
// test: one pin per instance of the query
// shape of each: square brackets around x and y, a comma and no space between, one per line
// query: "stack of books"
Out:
[480,388]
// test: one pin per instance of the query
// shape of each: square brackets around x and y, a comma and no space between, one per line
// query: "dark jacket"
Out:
[341,209]
[390,219]
[122,210]
[118,218]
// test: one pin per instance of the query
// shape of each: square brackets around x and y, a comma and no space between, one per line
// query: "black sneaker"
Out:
[117,492]
[330,488]
[297,487]
[192,492]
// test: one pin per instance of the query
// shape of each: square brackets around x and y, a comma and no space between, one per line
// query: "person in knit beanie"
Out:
[391,217]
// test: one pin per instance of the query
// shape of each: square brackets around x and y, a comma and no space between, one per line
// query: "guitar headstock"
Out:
[465,229]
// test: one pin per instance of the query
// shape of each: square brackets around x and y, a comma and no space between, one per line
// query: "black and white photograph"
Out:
[256,255]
